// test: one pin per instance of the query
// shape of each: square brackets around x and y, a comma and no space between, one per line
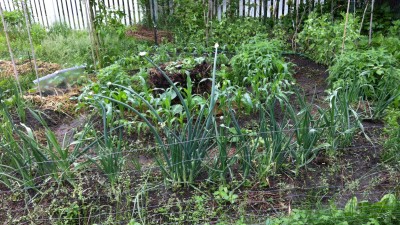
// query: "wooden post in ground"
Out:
[28,28]
[93,34]
[370,22]
[9,49]
[345,25]
[363,17]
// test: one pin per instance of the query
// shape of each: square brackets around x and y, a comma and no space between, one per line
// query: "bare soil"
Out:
[147,34]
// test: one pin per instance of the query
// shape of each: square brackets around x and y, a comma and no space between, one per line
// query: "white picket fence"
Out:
[74,12]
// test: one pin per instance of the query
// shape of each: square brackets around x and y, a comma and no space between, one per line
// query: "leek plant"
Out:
[27,161]
[308,132]
[341,119]
[272,141]
[109,157]
[183,148]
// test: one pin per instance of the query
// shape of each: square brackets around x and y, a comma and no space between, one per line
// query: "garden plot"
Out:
[324,179]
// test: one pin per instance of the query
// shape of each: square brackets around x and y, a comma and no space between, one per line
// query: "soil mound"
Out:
[199,75]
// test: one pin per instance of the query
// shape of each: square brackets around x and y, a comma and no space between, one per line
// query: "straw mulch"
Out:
[27,67]
[60,102]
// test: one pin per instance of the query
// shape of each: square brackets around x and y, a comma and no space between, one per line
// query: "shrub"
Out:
[73,49]
[256,60]
[231,33]
[375,70]
[392,130]
[322,40]
[60,28]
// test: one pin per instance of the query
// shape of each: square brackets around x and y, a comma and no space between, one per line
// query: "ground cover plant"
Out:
[224,123]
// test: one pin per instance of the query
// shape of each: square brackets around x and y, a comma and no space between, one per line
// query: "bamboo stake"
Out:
[28,28]
[9,49]
[363,17]
[345,24]
[370,22]
[91,32]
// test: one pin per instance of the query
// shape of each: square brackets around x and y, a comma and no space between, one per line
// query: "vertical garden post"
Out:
[345,25]
[9,49]
[154,11]
[28,28]
[370,22]
[92,33]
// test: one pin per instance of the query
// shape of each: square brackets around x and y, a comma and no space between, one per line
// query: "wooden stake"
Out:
[28,28]
[370,22]
[345,24]
[10,50]
[92,33]
[363,17]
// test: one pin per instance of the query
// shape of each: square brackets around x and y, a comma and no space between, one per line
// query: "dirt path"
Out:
[310,76]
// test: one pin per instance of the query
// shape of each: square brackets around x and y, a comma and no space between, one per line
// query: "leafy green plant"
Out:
[256,60]
[224,195]
[232,32]
[383,212]
[322,40]
[374,71]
